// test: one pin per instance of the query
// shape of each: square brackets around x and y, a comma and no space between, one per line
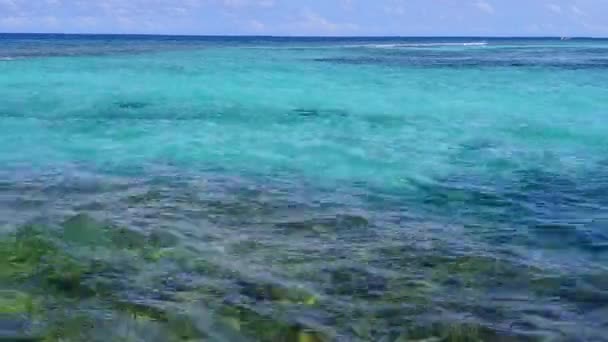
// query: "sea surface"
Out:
[160,188]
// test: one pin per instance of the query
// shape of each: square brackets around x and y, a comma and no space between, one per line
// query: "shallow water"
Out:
[303,189]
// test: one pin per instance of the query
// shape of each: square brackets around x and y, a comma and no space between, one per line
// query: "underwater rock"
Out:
[320,226]
[16,303]
[402,291]
[311,112]
[243,247]
[15,330]
[456,332]
[477,271]
[306,112]
[16,311]
[355,281]
[32,256]
[185,329]
[38,258]
[239,209]
[145,198]
[275,293]
[162,238]
[125,238]
[84,230]
[180,326]
[23,254]
[300,334]
[262,327]
[142,309]
[131,104]
[70,328]
[202,266]
[67,277]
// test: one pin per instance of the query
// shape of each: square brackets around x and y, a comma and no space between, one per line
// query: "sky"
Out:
[310,18]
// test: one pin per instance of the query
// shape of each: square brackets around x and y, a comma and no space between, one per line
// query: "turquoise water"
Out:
[412,187]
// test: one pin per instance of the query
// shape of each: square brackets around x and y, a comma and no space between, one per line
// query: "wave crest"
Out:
[409,45]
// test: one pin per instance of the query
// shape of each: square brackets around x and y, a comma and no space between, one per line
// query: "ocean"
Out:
[160,188]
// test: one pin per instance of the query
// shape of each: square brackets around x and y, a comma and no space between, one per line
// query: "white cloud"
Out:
[86,21]
[328,17]
[314,21]
[247,3]
[49,21]
[395,7]
[346,5]
[577,10]
[13,22]
[178,11]
[266,3]
[599,28]
[130,10]
[256,25]
[234,3]
[484,6]
[22,22]
[557,9]
[125,21]
[8,5]
[310,22]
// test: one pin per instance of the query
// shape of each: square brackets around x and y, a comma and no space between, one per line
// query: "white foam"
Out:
[6,59]
[397,46]
[372,46]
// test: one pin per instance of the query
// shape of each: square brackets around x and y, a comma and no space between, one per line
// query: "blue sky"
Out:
[312,17]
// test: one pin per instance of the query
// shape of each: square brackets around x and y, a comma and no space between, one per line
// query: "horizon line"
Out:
[296,35]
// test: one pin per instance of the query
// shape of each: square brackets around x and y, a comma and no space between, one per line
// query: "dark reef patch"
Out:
[266,266]
[310,112]
[452,63]
[132,104]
